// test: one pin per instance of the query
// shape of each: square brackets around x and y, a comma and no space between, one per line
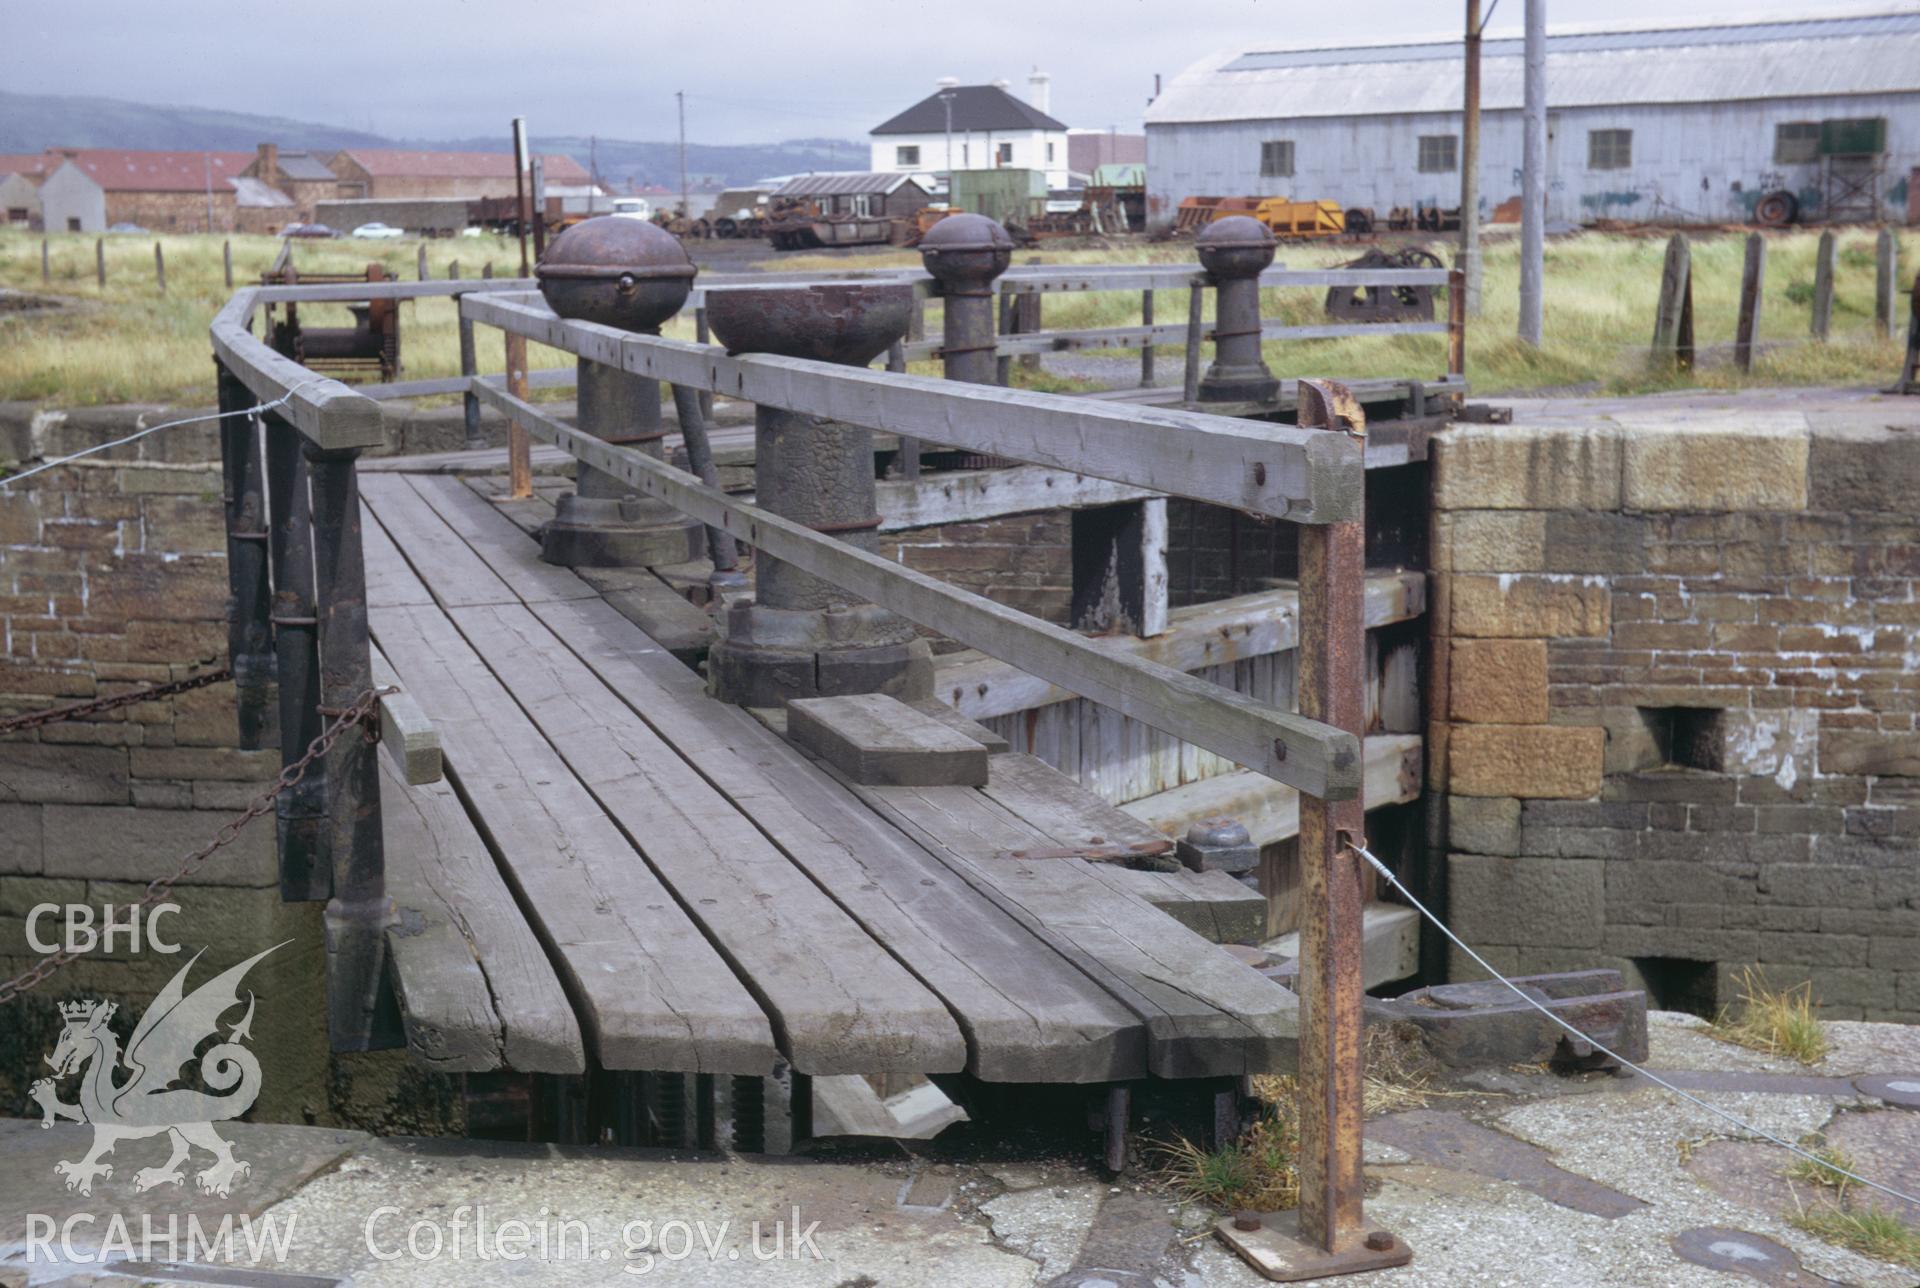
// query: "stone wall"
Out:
[1023,561]
[1675,698]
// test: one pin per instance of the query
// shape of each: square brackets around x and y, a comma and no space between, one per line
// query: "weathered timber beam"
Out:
[1214,634]
[406,734]
[1276,470]
[1270,811]
[354,292]
[1304,753]
[329,414]
[968,496]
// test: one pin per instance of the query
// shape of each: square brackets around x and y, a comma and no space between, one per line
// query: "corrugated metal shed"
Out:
[844,184]
[1811,57]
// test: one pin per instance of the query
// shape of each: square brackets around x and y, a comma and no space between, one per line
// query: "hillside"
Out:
[31,122]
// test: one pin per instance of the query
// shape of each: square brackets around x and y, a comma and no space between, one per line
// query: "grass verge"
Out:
[1778,1021]
[1870,1231]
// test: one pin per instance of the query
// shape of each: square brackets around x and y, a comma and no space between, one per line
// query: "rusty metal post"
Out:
[305,870]
[1146,349]
[519,444]
[704,334]
[965,253]
[1457,323]
[1329,1235]
[721,548]
[361,1015]
[249,634]
[602,523]
[1234,252]
[521,215]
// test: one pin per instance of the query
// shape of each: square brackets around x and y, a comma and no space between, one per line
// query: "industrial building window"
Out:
[1276,158]
[1003,154]
[906,156]
[1796,142]
[1439,153]
[1609,149]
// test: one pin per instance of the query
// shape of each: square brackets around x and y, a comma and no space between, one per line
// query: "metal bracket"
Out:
[1271,1244]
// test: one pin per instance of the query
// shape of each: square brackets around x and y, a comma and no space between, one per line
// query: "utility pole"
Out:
[686,205]
[1470,163]
[521,215]
[946,101]
[1533,178]
[206,171]
[593,171]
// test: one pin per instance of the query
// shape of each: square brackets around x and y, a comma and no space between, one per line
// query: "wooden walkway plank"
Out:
[1029,1014]
[1207,1015]
[533,580]
[1050,802]
[652,993]
[466,1009]
[838,1001]
[390,582]
[417,536]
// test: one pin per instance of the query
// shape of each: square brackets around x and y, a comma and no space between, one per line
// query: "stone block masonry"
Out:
[1677,663]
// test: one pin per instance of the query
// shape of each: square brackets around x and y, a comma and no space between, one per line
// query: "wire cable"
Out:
[1742,1124]
[8,482]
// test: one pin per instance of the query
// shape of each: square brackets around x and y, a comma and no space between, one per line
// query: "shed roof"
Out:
[975,107]
[129,170]
[400,163]
[845,183]
[304,167]
[1697,62]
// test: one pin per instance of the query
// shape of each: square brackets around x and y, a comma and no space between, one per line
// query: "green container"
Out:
[1005,194]
[1858,137]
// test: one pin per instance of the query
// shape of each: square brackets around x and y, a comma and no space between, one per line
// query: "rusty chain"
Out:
[159,888]
[94,706]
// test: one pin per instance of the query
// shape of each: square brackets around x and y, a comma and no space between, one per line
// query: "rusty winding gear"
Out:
[1394,304]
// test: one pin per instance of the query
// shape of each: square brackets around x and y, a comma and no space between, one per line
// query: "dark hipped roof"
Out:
[305,167]
[975,107]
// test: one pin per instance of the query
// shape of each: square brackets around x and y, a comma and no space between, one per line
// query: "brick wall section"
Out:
[1024,561]
[1679,730]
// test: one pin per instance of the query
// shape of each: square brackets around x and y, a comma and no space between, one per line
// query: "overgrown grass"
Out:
[1778,1021]
[1259,1170]
[1871,1231]
[1830,1171]
[127,342]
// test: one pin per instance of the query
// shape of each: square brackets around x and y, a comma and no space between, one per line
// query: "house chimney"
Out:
[1039,89]
[269,162]
[1000,83]
[947,82]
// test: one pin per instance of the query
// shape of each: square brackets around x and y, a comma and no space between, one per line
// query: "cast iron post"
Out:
[1234,252]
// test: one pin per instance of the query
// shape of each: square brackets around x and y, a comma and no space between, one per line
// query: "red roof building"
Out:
[396,172]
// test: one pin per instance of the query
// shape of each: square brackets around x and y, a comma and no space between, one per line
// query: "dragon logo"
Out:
[147,1102]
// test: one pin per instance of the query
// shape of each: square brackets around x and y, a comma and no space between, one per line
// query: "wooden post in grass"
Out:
[1673,320]
[420,261]
[486,270]
[1751,276]
[46,262]
[100,260]
[1823,287]
[453,270]
[1886,254]
[519,445]
[159,268]
[226,261]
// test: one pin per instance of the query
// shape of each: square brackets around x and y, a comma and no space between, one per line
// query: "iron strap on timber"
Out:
[359,713]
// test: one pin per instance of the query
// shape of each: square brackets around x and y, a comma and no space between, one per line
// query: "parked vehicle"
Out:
[125,228]
[308,230]
[377,231]
[632,208]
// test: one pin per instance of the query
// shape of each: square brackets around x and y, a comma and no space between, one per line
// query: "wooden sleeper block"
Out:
[877,740]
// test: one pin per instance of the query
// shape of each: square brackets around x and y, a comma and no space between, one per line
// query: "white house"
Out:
[72,201]
[974,127]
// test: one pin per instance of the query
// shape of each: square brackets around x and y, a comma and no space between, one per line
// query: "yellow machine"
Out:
[1301,218]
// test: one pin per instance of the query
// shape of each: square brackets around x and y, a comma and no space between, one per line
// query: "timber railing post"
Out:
[159,268]
[360,1015]
[704,334]
[1823,287]
[249,635]
[100,260]
[1752,274]
[1909,382]
[1886,269]
[1457,323]
[305,869]
[226,262]
[1146,349]
[1673,319]
[1190,377]
[470,368]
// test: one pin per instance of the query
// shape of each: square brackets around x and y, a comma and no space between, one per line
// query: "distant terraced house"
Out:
[391,173]
[94,189]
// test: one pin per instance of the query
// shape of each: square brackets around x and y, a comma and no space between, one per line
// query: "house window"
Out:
[1049,153]
[73,223]
[1003,154]
[863,204]
[1609,149]
[16,214]
[1276,158]
[905,156]
[1439,153]
[1796,142]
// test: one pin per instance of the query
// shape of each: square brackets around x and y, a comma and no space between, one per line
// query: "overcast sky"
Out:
[753,70]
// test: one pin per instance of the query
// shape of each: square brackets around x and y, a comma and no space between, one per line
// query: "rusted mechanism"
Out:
[1385,304]
[1235,251]
[623,273]
[370,346]
[1483,1025]
[801,636]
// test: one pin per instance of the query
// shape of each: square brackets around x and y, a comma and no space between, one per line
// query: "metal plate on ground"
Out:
[1455,1141]
[1278,1252]
[1738,1252]
[1898,1089]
